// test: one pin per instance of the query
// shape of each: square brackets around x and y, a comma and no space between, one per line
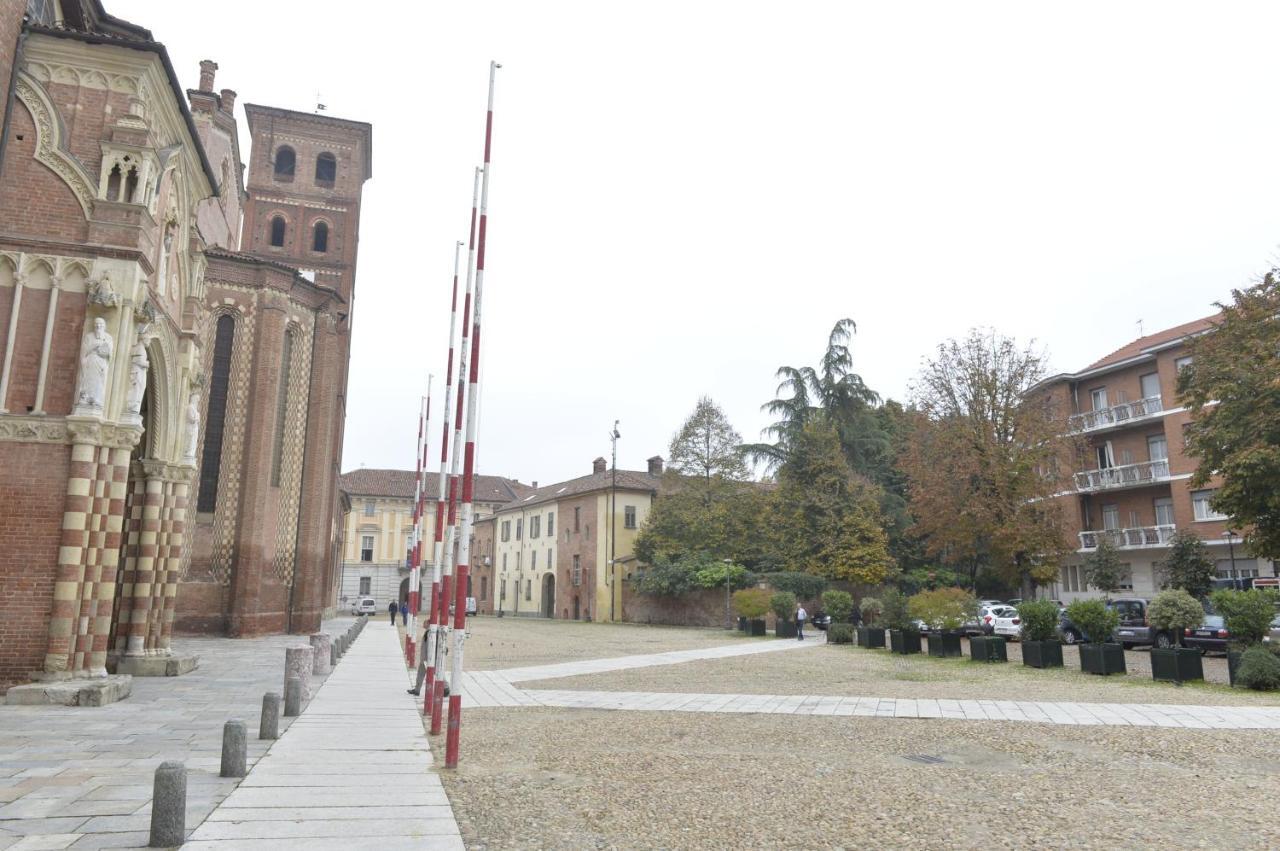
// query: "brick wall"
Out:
[582,543]
[32,490]
[11,12]
[697,608]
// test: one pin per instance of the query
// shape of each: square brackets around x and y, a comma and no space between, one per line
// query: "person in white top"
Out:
[801,617]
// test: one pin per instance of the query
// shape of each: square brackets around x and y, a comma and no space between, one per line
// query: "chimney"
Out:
[207,69]
[228,100]
[599,465]
[535,484]
[655,465]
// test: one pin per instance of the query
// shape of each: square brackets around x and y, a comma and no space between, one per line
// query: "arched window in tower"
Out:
[320,238]
[215,416]
[277,231]
[326,169]
[113,183]
[286,160]
[131,187]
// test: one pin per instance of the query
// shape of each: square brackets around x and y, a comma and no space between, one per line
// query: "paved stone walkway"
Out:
[497,689]
[81,778]
[354,770]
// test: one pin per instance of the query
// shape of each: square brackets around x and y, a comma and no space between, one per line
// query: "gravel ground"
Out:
[570,779]
[849,670]
[496,643]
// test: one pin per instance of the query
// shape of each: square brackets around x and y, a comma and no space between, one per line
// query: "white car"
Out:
[1005,621]
[363,606]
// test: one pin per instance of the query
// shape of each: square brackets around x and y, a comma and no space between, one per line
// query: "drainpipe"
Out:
[18,48]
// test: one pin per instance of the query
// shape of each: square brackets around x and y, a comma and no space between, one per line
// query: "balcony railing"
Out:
[1124,476]
[1129,539]
[1116,415]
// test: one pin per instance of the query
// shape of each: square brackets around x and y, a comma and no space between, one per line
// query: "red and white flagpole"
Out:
[437,693]
[437,552]
[415,554]
[469,462]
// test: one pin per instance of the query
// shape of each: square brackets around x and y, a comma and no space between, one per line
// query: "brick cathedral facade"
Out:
[174,341]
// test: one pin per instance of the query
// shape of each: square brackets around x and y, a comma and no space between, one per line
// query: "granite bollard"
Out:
[298,663]
[269,724]
[169,806]
[235,744]
[320,653]
[333,655]
[292,697]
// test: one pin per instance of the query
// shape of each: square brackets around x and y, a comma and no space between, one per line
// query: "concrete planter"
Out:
[870,637]
[756,627]
[988,648]
[1042,654]
[1176,664]
[945,645]
[904,641]
[1102,659]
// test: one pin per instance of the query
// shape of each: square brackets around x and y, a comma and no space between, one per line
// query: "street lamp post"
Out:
[613,525]
[1230,535]
[728,618]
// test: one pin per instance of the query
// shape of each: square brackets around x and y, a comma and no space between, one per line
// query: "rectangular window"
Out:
[484,587]
[533,561]
[551,523]
[1110,517]
[528,589]
[369,507]
[1106,456]
[1202,508]
[1164,511]
[1125,577]
[1098,398]
[1157,448]
[1182,363]
[1150,385]
[535,526]
[366,585]
[366,548]
[1241,568]
[519,527]
[577,517]
[577,570]
[506,530]
[504,561]
[549,564]
[629,516]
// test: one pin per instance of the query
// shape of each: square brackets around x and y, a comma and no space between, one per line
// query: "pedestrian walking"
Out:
[404,614]
[801,617]
[392,609]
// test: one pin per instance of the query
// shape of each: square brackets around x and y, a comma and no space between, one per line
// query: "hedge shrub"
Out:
[840,633]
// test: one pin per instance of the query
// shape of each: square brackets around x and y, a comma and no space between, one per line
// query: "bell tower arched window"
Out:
[277,231]
[320,238]
[326,169]
[286,162]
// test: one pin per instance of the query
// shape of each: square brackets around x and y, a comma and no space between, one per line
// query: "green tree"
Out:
[1188,565]
[1102,567]
[1238,436]
[983,460]
[828,517]
[707,447]
[735,524]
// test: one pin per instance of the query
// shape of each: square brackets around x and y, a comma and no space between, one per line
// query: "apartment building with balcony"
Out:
[1131,483]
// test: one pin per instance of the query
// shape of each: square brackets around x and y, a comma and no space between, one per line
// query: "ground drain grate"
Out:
[924,758]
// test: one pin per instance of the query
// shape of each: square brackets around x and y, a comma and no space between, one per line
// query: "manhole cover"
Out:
[924,758]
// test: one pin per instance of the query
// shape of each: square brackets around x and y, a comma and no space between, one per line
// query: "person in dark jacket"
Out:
[404,613]
[392,609]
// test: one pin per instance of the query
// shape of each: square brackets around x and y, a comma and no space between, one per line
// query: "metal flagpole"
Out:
[415,552]
[429,652]
[469,463]
[455,465]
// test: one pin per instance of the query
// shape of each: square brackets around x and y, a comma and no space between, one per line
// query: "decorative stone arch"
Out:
[162,435]
[37,270]
[51,135]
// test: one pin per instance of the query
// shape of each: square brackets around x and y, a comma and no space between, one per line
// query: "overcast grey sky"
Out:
[687,195]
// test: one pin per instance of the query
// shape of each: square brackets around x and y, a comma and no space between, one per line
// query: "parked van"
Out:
[363,606]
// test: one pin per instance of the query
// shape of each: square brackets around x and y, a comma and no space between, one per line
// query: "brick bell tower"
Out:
[306,176]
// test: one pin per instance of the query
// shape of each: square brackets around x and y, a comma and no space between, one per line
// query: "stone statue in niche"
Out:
[139,363]
[192,433]
[95,358]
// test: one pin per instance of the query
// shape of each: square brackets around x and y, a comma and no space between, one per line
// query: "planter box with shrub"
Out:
[756,627]
[988,648]
[840,633]
[1042,654]
[785,629]
[742,624]
[945,644]
[870,636]
[904,641]
[1102,659]
[1176,664]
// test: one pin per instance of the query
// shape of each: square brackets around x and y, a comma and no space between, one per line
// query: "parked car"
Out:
[1210,636]
[1068,631]
[1015,602]
[363,606]
[1134,629]
[982,603]
[820,620]
[988,615]
[1007,623]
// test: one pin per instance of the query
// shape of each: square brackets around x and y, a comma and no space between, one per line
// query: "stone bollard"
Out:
[298,663]
[340,643]
[234,748]
[169,806]
[320,653]
[292,697]
[269,725]
[333,655]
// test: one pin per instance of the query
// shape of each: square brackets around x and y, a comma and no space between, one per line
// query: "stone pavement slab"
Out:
[301,793]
